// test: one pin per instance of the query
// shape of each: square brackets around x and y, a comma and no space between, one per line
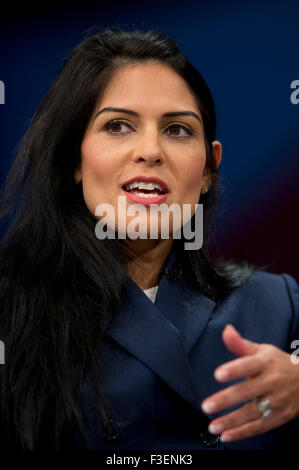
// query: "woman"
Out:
[91,361]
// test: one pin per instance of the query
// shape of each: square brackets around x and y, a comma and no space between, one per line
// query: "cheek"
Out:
[192,171]
[98,169]
[95,162]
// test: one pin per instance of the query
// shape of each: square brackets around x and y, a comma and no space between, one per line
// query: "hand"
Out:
[270,374]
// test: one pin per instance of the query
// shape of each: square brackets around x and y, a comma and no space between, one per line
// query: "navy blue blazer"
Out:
[159,362]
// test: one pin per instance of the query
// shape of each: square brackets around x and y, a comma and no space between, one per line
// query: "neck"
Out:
[147,260]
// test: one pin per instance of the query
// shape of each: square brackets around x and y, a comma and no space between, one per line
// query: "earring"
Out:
[204,190]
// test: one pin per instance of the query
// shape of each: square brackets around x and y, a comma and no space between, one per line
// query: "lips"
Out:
[148,179]
[146,201]
[145,198]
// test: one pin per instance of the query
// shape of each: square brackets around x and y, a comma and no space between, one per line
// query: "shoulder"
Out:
[277,290]
[248,280]
[280,292]
[268,285]
[266,301]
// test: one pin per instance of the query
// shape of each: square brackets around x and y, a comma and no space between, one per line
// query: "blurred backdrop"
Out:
[248,54]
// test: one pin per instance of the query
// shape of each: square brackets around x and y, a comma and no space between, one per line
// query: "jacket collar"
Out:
[162,334]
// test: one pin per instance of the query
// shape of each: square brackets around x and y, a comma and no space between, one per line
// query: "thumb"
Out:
[236,343]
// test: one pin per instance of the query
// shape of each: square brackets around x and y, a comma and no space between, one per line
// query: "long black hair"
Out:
[61,287]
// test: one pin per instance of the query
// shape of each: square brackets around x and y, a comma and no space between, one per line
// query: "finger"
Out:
[247,366]
[233,395]
[253,428]
[243,415]
[236,343]
[249,413]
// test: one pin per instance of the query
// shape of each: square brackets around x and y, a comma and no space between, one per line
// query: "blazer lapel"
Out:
[186,308]
[162,334]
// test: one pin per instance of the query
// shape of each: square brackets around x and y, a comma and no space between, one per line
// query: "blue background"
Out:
[248,54]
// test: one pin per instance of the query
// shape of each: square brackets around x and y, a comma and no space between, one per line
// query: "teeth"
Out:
[143,185]
[147,195]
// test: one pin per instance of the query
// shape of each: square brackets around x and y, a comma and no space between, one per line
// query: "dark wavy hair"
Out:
[60,286]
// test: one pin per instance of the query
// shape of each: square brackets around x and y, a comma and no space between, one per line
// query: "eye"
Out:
[177,128]
[115,127]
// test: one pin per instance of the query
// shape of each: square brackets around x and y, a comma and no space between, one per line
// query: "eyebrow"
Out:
[129,111]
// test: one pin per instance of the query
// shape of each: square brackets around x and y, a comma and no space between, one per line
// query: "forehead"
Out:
[148,85]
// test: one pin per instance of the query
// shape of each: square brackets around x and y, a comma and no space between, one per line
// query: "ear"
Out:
[78,174]
[217,155]
[217,151]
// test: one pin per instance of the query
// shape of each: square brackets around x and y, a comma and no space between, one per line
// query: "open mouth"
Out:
[146,192]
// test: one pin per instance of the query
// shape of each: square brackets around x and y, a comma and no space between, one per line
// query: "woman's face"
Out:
[155,131]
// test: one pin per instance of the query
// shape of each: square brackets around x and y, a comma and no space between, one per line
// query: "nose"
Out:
[147,148]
